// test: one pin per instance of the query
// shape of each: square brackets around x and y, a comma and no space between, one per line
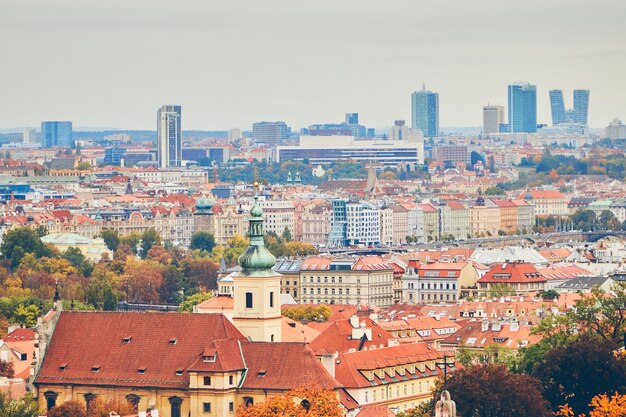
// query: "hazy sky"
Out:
[112,63]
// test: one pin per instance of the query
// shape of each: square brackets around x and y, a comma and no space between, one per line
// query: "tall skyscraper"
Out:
[577,115]
[270,133]
[581,107]
[425,112]
[56,134]
[169,136]
[522,107]
[493,117]
[557,107]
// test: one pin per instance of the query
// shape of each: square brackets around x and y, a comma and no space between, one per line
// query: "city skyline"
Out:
[371,57]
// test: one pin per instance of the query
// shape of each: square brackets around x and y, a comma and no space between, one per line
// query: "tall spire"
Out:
[256,259]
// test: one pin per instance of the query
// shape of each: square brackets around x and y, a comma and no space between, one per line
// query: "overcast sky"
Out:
[112,63]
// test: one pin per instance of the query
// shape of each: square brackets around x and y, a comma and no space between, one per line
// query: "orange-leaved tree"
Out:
[304,402]
[601,406]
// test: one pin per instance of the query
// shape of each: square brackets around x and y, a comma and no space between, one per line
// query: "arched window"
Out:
[134,401]
[89,401]
[175,405]
[51,399]
[248,300]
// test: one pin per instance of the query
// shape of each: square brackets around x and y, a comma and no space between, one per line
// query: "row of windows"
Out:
[250,302]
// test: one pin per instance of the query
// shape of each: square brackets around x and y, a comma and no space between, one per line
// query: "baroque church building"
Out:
[181,364]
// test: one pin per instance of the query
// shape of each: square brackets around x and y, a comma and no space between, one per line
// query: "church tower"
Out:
[257,287]
[203,219]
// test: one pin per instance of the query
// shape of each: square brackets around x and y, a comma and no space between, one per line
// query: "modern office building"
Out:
[234,134]
[56,134]
[425,112]
[522,108]
[326,149]
[169,136]
[270,133]
[493,118]
[577,115]
[352,118]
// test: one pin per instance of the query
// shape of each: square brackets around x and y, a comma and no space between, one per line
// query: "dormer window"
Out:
[126,340]
[209,358]
[179,372]
[262,372]
[173,341]
[95,368]
[141,370]
[62,367]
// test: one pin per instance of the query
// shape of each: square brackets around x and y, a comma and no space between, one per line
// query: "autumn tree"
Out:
[73,408]
[103,408]
[200,273]
[143,279]
[492,391]
[320,313]
[307,402]
[6,369]
[601,406]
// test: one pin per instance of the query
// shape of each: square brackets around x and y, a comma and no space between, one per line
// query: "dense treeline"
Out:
[613,165]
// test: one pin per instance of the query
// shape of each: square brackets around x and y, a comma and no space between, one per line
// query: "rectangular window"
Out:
[248,300]
[230,379]
[206,407]
[231,407]
[207,381]
[272,299]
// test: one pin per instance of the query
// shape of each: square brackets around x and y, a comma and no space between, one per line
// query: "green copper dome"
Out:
[256,259]
[204,204]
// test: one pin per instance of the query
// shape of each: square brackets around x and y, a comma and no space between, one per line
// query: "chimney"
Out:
[354,321]
[485,326]
[328,362]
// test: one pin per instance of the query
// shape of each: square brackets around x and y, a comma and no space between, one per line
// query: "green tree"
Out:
[608,221]
[149,238]
[202,240]
[319,313]
[111,239]
[500,290]
[549,294]
[20,241]
[190,302]
[26,315]
[132,241]
[602,313]
[579,370]
[584,220]
[26,407]
[110,298]
[287,234]
[494,191]
[172,288]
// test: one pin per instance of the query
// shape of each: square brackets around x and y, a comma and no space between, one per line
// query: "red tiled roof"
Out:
[19,335]
[375,411]
[337,337]
[85,339]
[284,366]
[348,370]
[513,273]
